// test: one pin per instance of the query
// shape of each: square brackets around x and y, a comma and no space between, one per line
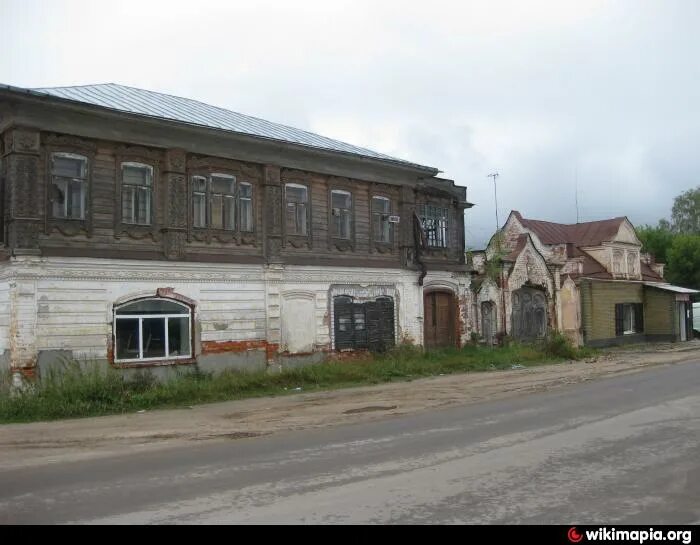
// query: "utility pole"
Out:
[576,191]
[495,196]
[495,176]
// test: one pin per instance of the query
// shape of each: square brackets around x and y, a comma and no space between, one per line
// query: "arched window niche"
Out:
[152,329]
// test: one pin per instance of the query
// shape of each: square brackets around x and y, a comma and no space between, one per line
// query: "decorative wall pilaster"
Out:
[407,206]
[274,274]
[23,196]
[272,218]
[22,324]
[175,207]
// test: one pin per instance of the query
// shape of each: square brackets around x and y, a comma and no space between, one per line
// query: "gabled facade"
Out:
[588,280]
[146,230]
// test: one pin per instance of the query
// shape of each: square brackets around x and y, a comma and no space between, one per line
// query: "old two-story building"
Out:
[590,281]
[142,229]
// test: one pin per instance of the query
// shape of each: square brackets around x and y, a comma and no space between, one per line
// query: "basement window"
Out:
[152,330]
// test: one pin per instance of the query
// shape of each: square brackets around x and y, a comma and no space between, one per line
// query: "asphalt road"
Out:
[616,450]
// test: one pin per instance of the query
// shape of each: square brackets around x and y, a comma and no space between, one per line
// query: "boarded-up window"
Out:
[368,325]
[529,316]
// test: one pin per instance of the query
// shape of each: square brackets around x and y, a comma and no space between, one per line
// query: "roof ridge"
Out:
[574,224]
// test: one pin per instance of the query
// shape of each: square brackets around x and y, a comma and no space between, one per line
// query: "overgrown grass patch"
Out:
[81,389]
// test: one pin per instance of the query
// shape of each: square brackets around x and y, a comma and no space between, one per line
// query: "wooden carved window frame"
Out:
[136,231]
[70,146]
[375,245]
[298,178]
[345,186]
[243,174]
[450,234]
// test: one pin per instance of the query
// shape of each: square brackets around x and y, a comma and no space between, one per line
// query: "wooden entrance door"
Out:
[439,319]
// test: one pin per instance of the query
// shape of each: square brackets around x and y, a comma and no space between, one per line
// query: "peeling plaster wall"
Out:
[4,325]
[489,292]
[571,312]
[530,268]
[245,315]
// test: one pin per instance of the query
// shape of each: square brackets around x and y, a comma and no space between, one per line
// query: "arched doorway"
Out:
[439,319]
[488,321]
[529,316]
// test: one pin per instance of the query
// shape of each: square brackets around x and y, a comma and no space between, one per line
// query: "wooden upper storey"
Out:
[84,181]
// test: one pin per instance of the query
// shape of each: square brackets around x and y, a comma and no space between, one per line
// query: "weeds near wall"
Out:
[82,389]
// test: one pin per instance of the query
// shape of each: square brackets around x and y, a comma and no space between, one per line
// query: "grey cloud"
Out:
[538,90]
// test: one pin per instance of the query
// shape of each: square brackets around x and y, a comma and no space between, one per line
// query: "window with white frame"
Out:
[296,216]
[341,214]
[152,329]
[69,186]
[219,201]
[137,193]
[435,221]
[381,209]
[629,318]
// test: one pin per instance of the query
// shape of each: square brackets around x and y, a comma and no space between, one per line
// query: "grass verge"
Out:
[82,390]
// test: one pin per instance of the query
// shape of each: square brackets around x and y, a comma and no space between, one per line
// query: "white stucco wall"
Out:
[67,303]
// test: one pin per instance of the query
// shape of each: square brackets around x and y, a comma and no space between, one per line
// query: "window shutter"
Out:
[619,326]
[639,318]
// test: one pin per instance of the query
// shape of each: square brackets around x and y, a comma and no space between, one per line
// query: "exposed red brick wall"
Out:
[236,347]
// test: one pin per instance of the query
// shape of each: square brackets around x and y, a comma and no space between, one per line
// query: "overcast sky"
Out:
[544,92]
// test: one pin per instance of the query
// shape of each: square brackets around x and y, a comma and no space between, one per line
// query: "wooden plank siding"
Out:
[102,234]
[598,300]
[660,315]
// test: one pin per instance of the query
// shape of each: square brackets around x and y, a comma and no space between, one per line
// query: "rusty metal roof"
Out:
[591,233]
[162,106]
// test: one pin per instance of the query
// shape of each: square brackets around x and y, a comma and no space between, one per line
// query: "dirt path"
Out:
[24,445]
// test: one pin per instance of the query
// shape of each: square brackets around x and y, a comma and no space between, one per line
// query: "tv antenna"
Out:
[495,175]
[576,191]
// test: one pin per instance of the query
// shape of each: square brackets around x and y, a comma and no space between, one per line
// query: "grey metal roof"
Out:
[668,287]
[158,105]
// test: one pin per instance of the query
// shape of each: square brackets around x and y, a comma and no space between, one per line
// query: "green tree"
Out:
[685,214]
[656,241]
[684,261]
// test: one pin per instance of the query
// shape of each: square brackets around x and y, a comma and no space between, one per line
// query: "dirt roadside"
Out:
[29,445]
